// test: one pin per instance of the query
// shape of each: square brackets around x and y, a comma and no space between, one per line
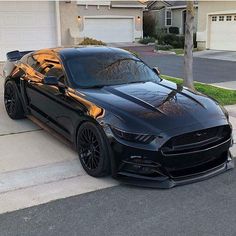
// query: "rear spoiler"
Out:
[16,55]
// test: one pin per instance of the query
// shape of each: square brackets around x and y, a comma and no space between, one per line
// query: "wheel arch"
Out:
[86,119]
[113,166]
[19,92]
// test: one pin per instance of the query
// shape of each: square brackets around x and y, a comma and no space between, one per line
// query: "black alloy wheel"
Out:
[93,150]
[12,101]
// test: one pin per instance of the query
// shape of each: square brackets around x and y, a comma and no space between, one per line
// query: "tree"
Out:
[188,46]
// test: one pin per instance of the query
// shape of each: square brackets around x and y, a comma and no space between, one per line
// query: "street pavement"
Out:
[204,70]
[202,209]
[207,66]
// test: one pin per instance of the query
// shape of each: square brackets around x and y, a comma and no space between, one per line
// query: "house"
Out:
[169,14]
[217,25]
[27,25]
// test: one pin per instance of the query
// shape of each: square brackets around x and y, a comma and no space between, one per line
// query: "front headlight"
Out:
[131,137]
[225,112]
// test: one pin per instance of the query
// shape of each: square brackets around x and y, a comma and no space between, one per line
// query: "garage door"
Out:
[26,25]
[109,29]
[223,32]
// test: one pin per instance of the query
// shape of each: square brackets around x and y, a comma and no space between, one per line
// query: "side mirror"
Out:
[156,70]
[50,80]
[19,73]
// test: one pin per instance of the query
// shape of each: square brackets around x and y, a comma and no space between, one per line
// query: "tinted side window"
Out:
[31,61]
[47,65]
[57,71]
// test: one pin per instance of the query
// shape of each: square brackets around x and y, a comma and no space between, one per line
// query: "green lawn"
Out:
[178,51]
[223,96]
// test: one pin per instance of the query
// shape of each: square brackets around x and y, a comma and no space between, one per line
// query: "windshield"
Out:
[90,71]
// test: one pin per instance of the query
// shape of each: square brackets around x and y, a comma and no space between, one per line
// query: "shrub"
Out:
[160,35]
[147,40]
[177,41]
[90,41]
[163,47]
[174,30]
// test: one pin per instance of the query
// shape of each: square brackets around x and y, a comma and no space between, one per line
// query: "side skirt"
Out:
[51,131]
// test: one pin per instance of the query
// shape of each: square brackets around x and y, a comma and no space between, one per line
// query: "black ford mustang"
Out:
[121,117]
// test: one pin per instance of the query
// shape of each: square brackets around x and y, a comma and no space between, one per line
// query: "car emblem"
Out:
[201,134]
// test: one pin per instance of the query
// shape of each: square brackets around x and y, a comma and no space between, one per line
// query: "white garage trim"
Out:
[107,17]
[58,22]
[27,26]
[207,34]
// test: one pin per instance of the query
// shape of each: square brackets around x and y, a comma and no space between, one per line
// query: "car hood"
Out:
[157,106]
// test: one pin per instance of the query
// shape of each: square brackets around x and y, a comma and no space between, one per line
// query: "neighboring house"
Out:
[27,25]
[217,25]
[170,14]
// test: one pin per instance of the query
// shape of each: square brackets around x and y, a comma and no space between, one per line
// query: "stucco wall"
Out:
[177,19]
[1,68]
[210,7]
[68,17]
[69,21]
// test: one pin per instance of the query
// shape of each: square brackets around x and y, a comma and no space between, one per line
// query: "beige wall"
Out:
[177,19]
[1,68]
[206,8]
[68,17]
[71,26]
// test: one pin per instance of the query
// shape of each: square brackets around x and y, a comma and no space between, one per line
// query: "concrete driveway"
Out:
[216,55]
[36,168]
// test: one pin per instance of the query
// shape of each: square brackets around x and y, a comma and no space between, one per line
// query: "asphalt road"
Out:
[204,208]
[204,70]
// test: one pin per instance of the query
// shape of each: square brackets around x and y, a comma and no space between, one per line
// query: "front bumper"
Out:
[192,167]
[166,182]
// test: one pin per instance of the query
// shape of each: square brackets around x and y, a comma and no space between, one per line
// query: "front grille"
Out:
[198,169]
[197,140]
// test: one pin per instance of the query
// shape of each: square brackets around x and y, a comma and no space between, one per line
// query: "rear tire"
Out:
[93,150]
[12,101]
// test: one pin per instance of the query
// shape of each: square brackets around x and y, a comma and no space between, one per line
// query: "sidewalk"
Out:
[216,55]
[227,85]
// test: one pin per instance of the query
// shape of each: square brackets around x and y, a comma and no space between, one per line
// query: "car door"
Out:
[51,103]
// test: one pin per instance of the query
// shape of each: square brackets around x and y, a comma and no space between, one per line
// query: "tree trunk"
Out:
[188,46]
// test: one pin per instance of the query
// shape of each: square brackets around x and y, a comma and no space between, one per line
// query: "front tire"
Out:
[93,150]
[12,101]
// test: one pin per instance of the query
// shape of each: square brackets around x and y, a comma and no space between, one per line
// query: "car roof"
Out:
[70,52]
[90,50]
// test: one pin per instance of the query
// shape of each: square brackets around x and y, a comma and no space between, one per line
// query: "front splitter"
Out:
[165,182]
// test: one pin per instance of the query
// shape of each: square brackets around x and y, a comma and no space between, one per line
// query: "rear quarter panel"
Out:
[8,69]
